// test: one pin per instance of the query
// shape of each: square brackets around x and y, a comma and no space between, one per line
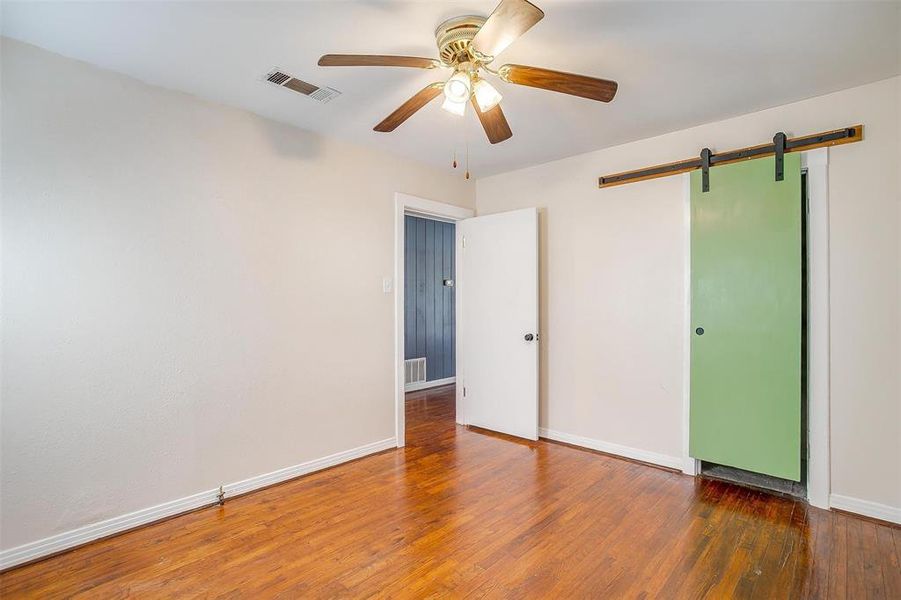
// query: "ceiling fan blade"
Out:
[408,108]
[510,19]
[592,88]
[494,123]
[376,60]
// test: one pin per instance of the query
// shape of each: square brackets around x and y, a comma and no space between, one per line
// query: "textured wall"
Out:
[184,291]
[613,273]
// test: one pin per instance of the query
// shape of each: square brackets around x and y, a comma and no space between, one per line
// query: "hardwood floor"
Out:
[461,513]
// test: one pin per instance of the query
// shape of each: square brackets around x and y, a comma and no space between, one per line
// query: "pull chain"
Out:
[467,159]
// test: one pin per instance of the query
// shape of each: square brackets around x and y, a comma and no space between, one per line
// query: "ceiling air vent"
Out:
[320,94]
[277,77]
[324,94]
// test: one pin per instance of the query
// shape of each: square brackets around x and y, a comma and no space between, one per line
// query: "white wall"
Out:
[192,294]
[613,269]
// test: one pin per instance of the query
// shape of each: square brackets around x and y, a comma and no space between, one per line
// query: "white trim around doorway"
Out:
[818,393]
[406,204]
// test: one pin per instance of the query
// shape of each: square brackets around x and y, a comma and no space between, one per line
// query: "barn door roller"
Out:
[779,150]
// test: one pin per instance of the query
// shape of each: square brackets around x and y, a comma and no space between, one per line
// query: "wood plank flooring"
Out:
[462,513]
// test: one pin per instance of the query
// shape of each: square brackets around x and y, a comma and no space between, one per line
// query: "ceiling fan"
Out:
[468,45]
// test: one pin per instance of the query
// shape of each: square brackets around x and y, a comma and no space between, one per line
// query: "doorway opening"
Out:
[429,303]
[427,216]
[429,326]
[494,343]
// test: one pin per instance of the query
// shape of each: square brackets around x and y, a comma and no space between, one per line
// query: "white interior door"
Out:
[500,322]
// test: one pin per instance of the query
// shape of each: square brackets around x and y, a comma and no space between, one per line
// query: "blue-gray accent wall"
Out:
[429,304]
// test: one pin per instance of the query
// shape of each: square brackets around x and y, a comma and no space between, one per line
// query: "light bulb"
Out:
[457,108]
[458,87]
[486,96]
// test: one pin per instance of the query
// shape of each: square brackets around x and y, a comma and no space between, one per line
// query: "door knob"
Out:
[699,331]
[529,337]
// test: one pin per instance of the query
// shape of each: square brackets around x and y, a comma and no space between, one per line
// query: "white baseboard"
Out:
[670,462]
[866,508]
[424,385]
[76,537]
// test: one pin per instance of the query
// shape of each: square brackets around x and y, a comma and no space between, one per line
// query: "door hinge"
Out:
[464,241]
[464,391]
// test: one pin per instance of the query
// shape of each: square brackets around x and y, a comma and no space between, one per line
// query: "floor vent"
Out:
[319,94]
[414,370]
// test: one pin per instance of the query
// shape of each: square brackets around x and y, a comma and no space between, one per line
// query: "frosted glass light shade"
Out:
[486,96]
[458,87]
[457,108]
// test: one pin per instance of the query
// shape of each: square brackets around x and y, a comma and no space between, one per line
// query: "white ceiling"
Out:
[678,64]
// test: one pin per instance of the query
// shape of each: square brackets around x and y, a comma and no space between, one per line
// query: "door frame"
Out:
[407,204]
[816,163]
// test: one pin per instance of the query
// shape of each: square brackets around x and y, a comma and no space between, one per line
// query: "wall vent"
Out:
[414,370]
[282,79]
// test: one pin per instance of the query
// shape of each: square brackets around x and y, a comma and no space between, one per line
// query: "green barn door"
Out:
[746,317]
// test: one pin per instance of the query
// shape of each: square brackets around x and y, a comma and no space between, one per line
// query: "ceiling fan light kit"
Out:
[453,107]
[459,87]
[486,96]
[468,44]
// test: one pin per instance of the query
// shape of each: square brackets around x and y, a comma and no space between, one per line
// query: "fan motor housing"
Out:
[454,36]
